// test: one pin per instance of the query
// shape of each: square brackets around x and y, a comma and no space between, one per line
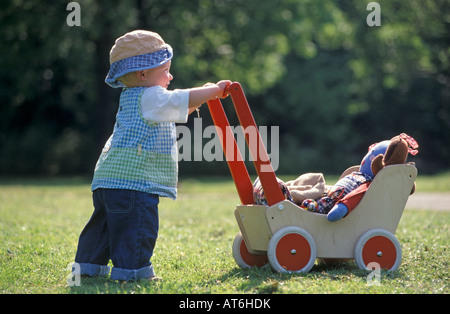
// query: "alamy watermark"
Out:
[190,145]
[374,17]
[374,278]
[74,277]
[74,17]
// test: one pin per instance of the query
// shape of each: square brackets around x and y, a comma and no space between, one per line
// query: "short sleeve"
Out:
[161,105]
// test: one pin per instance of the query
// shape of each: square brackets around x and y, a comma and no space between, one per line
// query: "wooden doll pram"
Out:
[291,238]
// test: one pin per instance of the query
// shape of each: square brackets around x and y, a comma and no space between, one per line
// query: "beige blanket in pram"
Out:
[307,186]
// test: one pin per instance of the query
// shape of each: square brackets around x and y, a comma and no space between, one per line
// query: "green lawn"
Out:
[40,221]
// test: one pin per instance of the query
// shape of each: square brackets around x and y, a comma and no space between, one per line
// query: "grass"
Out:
[40,221]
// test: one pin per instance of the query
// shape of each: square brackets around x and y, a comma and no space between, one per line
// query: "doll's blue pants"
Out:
[123,228]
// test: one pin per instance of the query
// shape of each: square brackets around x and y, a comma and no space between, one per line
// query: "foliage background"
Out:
[315,68]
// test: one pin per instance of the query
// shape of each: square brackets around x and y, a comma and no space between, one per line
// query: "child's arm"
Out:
[209,91]
[161,105]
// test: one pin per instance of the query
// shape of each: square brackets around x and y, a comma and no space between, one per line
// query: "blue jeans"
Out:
[123,228]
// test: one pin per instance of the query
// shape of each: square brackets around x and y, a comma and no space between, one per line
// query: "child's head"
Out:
[139,58]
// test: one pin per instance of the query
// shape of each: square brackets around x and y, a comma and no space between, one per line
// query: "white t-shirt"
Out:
[161,105]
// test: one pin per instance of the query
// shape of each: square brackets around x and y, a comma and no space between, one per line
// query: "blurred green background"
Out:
[333,84]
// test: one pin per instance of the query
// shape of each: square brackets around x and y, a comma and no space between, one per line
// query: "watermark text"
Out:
[191,147]
[74,17]
[374,17]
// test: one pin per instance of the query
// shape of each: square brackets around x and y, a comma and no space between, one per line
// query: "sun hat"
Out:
[135,51]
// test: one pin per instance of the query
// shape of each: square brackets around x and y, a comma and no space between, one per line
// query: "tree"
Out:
[313,67]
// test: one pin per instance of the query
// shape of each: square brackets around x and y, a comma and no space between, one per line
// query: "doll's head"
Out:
[374,151]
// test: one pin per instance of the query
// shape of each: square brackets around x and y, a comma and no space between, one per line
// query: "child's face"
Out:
[159,76]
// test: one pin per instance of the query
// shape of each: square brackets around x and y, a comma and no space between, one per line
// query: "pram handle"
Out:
[256,147]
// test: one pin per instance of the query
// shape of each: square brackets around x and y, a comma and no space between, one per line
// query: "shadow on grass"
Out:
[249,281]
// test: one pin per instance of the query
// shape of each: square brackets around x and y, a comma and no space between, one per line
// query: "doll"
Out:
[348,183]
[396,153]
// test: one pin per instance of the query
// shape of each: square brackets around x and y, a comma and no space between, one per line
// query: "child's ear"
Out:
[142,75]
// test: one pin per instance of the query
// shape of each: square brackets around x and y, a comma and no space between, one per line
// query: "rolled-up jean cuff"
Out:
[132,274]
[93,269]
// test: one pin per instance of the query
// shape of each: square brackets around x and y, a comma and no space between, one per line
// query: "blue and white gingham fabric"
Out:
[137,63]
[139,155]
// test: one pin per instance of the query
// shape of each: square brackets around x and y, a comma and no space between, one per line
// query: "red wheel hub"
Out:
[293,252]
[381,250]
[250,259]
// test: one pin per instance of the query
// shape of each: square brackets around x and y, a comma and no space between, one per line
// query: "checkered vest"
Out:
[139,155]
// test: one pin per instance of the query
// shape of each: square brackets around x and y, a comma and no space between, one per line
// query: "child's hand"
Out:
[223,85]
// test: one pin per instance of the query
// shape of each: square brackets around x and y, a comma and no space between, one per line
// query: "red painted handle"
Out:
[256,146]
[232,153]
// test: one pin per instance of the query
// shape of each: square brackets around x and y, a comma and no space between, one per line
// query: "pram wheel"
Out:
[292,249]
[379,246]
[243,257]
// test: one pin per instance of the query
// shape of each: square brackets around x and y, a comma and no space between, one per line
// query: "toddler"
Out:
[138,163]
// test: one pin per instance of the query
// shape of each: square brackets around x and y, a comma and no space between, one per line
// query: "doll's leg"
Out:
[337,212]
[348,203]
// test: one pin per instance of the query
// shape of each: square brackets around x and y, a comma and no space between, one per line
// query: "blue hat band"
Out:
[137,63]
